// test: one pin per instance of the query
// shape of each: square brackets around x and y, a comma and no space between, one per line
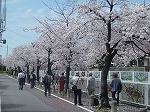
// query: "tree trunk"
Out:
[16,73]
[37,72]
[33,68]
[49,63]
[67,78]
[104,92]
[49,66]
[38,69]
[28,72]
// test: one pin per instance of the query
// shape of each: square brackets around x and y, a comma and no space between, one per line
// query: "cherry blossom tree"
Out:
[46,45]
[22,56]
[118,34]
[61,28]
[8,61]
[108,30]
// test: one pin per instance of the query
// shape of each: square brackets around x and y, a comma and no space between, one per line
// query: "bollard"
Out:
[54,90]
[143,110]
[113,106]
[68,93]
[91,100]
[58,89]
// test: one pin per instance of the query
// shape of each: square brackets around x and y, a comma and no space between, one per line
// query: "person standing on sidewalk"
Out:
[21,79]
[91,84]
[78,81]
[56,80]
[61,83]
[47,83]
[116,87]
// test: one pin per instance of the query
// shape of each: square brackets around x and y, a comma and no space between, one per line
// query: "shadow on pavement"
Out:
[8,106]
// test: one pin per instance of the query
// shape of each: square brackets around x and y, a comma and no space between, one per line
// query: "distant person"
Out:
[21,79]
[24,79]
[78,81]
[61,83]
[56,80]
[41,80]
[32,79]
[116,87]
[90,84]
[47,83]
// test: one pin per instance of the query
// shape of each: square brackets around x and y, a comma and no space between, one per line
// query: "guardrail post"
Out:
[143,110]
[146,95]
[68,93]
[91,100]
[113,106]
[53,88]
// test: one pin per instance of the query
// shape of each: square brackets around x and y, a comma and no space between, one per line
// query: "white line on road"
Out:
[0,103]
[59,98]
[67,101]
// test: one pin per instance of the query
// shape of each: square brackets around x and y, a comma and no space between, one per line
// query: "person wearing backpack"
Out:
[116,87]
[21,79]
[32,79]
[78,81]
[47,83]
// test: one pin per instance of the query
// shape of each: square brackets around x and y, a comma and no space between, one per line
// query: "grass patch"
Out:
[2,71]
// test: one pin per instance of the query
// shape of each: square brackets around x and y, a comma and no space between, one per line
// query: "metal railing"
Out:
[136,85]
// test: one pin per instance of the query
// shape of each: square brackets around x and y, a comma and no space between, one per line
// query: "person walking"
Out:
[24,79]
[78,81]
[47,83]
[91,84]
[61,83]
[32,79]
[21,79]
[116,87]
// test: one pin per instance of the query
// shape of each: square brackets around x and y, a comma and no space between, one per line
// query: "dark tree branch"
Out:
[140,48]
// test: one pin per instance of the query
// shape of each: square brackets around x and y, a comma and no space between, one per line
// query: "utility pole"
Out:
[2,19]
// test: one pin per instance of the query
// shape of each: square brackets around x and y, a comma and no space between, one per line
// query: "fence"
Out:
[136,85]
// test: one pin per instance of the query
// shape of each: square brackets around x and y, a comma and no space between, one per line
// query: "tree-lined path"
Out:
[30,100]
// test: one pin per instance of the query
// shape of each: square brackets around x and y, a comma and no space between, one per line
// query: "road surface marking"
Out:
[0,103]
[59,98]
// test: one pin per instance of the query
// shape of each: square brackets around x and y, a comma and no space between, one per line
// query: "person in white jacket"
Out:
[21,79]
[78,81]
[91,84]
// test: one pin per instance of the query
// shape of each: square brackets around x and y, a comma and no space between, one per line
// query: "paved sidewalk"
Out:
[55,103]
[121,108]
[62,103]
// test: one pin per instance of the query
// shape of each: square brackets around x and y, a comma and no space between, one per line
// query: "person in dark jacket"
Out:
[47,83]
[116,87]
[24,79]
[32,79]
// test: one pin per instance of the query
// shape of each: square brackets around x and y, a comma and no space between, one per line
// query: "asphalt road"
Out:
[30,100]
